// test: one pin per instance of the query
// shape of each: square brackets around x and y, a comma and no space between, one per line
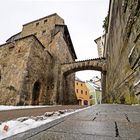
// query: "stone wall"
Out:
[62,55]
[13,63]
[122,50]
[52,35]
[38,69]
[43,28]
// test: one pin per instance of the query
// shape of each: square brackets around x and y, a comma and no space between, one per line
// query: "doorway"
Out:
[36,93]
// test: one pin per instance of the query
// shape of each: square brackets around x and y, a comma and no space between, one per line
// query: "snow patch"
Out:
[25,123]
[131,52]
[138,82]
[4,107]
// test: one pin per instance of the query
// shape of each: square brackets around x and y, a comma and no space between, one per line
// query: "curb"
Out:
[34,131]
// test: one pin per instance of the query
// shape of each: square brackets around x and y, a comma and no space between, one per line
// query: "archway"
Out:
[68,69]
[85,102]
[79,102]
[66,94]
[36,93]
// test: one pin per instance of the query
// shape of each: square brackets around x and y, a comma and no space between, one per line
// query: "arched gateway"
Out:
[98,64]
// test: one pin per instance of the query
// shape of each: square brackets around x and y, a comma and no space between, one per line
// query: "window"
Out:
[91,96]
[37,23]
[43,32]
[85,92]
[45,21]
[81,91]
[81,84]
[77,90]
[77,83]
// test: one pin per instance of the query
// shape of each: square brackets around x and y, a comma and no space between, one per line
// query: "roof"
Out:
[98,38]
[66,33]
[95,86]
[13,36]
[78,80]
[24,38]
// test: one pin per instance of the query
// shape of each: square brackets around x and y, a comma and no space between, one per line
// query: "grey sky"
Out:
[84,19]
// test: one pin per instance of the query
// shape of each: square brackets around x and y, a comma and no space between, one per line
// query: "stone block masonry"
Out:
[37,65]
[30,63]
[122,51]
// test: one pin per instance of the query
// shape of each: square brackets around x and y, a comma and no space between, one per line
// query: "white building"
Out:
[94,91]
[100,45]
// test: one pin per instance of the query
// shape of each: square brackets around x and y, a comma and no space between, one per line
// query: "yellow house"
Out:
[82,93]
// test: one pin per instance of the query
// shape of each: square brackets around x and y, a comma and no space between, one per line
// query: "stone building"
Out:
[30,64]
[122,51]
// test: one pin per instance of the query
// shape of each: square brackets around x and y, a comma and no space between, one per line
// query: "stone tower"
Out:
[30,64]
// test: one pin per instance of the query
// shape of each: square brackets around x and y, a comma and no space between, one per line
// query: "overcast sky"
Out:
[84,19]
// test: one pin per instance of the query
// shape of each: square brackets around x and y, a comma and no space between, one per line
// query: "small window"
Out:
[45,21]
[85,92]
[81,91]
[77,90]
[81,84]
[37,23]
[77,83]
[91,96]
[43,32]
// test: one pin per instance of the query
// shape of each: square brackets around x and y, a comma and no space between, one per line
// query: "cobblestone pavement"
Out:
[100,122]
[13,114]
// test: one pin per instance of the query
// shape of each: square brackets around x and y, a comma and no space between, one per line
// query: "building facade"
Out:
[30,64]
[122,52]
[82,92]
[94,91]
[100,41]
[100,45]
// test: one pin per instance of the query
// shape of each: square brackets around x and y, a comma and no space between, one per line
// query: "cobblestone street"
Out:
[99,122]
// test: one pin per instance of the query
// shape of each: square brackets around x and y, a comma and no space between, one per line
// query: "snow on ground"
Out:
[18,127]
[4,107]
[22,124]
